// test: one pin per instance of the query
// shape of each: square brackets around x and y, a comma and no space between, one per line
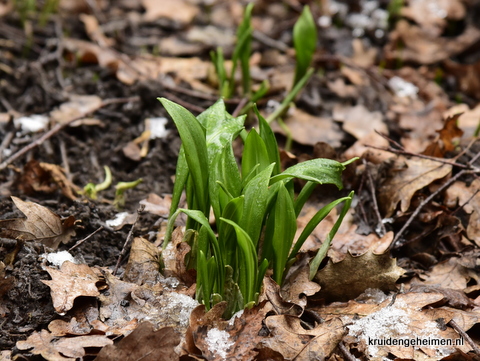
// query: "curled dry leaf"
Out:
[143,263]
[144,343]
[41,224]
[71,281]
[47,178]
[404,178]
[349,278]
[446,137]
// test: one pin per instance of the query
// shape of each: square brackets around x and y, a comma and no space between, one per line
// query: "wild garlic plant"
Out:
[254,204]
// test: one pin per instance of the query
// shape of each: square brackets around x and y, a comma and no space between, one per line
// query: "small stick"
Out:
[346,352]
[127,241]
[239,107]
[86,238]
[465,336]
[374,199]
[65,164]
[60,126]
[185,104]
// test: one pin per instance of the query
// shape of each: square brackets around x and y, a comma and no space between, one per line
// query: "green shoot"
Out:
[91,189]
[120,188]
[305,42]
[254,206]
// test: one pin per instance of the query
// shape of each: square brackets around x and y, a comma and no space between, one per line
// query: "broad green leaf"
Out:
[305,42]
[256,197]
[322,252]
[193,140]
[322,171]
[249,269]
[270,141]
[254,152]
[314,221]
[281,228]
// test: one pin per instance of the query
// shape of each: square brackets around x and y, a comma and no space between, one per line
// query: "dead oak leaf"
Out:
[293,341]
[41,224]
[446,136]
[449,274]
[144,343]
[51,349]
[71,281]
[404,178]
[349,278]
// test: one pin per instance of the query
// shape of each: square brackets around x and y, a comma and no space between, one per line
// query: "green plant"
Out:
[255,207]
[305,42]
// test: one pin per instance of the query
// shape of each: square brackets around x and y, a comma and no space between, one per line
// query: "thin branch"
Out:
[465,336]
[86,238]
[127,241]
[60,126]
[374,199]
[346,352]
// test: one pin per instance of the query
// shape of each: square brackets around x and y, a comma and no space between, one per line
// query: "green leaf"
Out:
[193,139]
[249,268]
[181,176]
[322,252]
[281,228]
[322,171]
[233,295]
[256,197]
[314,221]
[226,234]
[305,42]
[243,49]
[254,152]
[270,141]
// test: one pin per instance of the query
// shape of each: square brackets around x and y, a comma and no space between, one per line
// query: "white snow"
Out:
[219,342]
[57,258]
[33,123]
[403,88]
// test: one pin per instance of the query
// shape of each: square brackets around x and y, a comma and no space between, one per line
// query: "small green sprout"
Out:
[91,189]
[255,207]
[120,188]
[305,42]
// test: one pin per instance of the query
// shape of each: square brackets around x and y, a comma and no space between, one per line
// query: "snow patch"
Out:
[219,342]
[57,258]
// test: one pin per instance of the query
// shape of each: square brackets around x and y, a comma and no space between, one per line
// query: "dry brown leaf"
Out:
[362,56]
[433,15]
[47,178]
[41,224]
[466,76]
[144,343]
[446,138]
[425,48]
[157,205]
[449,274]
[309,130]
[271,291]
[94,31]
[404,178]
[349,278]
[78,105]
[179,11]
[81,322]
[458,194]
[75,346]
[143,263]
[359,121]
[293,341]
[297,284]
[71,281]
[41,342]
[468,119]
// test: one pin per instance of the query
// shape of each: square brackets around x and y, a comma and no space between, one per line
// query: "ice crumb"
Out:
[236,315]
[180,305]
[219,342]
[118,220]
[157,127]
[33,123]
[57,258]
[403,88]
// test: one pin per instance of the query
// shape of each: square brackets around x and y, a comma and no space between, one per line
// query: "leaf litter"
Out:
[351,104]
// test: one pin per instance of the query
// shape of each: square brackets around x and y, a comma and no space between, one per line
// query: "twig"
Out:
[127,241]
[86,238]
[374,199]
[60,126]
[346,352]
[435,159]
[184,103]
[424,203]
[268,41]
[239,107]
[466,202]
[65,164]
[465,336]
[390,140]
